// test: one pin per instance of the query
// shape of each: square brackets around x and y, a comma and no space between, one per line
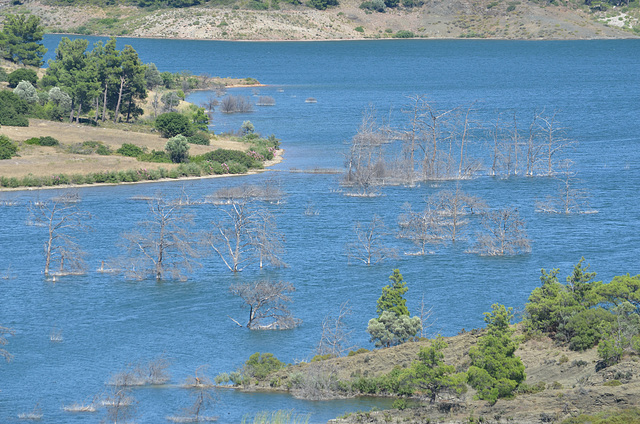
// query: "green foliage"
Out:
[431,376]
[131,150]
[586,328]
[318,358]
[13,110]
[623,288]
[173,123]
[404,34]
[43,141]
[358,352]
[21,36]
[26,92]
[400,404]
[552,305]
[8,148]
[322,4]
[89,148]
[495,372]
[247,128]
[201,138]
[228,156]
[22,74]
[178,149]
[359,29]
[3,74]
[259,366]
[373,5]
[390,329]
[391,299]
[200,119]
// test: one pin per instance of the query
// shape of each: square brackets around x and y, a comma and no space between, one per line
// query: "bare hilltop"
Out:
[349,20]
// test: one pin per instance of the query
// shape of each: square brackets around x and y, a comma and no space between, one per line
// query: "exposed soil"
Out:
[573,386]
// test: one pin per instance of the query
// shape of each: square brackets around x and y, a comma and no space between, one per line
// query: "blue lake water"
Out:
[108,322]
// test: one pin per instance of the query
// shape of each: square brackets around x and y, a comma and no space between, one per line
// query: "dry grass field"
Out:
[46,161]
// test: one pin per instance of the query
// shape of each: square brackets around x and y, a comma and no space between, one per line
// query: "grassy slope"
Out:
[436,19]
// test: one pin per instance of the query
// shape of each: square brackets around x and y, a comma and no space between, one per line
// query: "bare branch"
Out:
[267,302]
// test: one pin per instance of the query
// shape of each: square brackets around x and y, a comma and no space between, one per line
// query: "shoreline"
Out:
[278,158]
[338,40]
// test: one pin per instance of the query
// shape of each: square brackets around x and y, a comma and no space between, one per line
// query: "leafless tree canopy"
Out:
[266,101]
[267,302]
[236,104]
[569,197]
[155,371]
[503,234]
[336,336]
[368,245]
[121,406]
[422,228]
[245,233]
[63,219]
[453,209]
[365,162]
[162,245]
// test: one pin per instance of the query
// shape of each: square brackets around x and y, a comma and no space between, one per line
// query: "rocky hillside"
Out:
[498,19]
[563,384]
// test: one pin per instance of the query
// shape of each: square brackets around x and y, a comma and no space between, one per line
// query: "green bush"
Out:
[131,150]
[404,34]
[3,74]
[201,138]
[13,110]
[178,149]
[22,74]
[7,147]
[48,141]
[173,123]
[157,156]
[586,328]
[357,352]
[259,366]
[318,358]
[227,156]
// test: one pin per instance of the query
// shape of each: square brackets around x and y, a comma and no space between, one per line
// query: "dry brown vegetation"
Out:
[46,161]
[572,384]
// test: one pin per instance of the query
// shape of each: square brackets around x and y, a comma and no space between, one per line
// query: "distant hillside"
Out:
[350,19]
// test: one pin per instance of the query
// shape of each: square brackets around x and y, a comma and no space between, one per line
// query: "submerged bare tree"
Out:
[453,209]
[422,228]
[245,232]
[570,197]
[121,406]
[268,304]
[365,161]
[162,245]
[336,336]
[63,220]
[203,396]
[368,246]
[553,141]
[503,233]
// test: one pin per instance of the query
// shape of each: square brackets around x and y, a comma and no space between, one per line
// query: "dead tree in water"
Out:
[368,246]
[163,246]
[267,302]
[503,234]
[63,220]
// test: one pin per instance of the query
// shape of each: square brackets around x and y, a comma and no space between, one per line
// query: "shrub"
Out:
[227,156]
[375,5]
[404,34]
[178,149]
[22,74]
[7,148]
[158,156]
[48,141]
[27,92]
[357,352]
[359,29]
[13,110]
[131,150]
[201,138]
[173,123]
[259,366]
[400,404]
[322,357]
[586,328]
